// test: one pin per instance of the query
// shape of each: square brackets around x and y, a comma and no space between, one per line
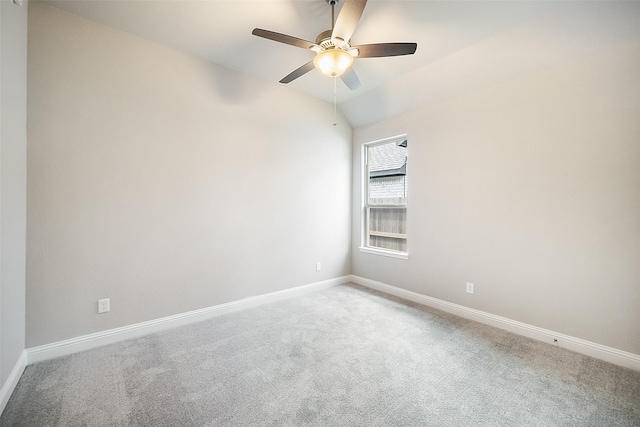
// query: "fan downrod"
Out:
[325,39]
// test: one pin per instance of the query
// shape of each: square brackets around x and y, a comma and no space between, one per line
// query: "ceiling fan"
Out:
[334,52]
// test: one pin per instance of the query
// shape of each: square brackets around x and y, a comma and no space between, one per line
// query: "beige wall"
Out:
[530,190]
[13,174]
[168,184]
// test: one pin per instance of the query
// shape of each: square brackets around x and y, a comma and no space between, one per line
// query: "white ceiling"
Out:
[462,45]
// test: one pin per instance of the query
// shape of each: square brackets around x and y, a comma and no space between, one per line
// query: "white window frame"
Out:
[365,207]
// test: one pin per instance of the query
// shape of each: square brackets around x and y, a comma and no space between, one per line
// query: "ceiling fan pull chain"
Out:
[335,119]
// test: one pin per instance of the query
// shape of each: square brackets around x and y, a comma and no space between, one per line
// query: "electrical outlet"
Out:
[469,288]
[103,305]
[318,266]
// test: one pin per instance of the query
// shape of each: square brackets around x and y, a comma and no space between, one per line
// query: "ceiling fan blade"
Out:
[283,38]
[378,50]
[350,78]
[348,19]
[298,72]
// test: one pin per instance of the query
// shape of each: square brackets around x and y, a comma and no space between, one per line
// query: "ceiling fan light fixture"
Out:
[334,53]
[333,62]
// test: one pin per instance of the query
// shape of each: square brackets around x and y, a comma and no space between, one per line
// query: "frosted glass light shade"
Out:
[333,62]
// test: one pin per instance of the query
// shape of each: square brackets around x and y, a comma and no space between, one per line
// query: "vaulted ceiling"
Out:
[463,46]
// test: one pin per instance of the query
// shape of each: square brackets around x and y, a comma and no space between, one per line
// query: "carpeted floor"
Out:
[344,356]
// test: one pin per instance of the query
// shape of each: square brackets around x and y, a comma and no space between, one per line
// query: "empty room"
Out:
[316,212]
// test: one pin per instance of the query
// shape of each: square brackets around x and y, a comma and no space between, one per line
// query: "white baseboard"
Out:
[99,339]
[87,342]
[11,382]
[608,354]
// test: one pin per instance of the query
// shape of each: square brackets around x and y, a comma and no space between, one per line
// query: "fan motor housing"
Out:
[324,37]
[325,41]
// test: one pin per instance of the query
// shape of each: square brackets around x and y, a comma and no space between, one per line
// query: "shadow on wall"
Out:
[233,87]
[369,107]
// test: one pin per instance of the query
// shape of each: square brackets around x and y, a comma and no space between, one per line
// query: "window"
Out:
[385,197]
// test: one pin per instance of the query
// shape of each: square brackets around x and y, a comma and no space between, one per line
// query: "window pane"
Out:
[386,213]
[388,228]
[387,173]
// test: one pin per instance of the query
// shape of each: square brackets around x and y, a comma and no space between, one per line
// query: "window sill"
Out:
[383,252]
